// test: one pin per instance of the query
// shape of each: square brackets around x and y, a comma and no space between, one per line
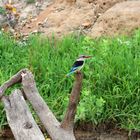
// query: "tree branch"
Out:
[13,80]
[68,121]
[41,108]
[56,130]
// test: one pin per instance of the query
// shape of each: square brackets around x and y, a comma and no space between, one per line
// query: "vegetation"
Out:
[30,1]
[111,85]
[2,11]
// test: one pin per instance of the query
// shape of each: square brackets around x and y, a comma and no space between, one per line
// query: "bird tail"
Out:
[69,73]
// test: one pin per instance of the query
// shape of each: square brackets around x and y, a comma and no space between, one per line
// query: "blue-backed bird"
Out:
[78,64]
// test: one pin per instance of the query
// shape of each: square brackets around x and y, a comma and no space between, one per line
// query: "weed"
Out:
[30,1]
[2,11]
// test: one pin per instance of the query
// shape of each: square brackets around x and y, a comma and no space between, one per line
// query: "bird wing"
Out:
[76,65]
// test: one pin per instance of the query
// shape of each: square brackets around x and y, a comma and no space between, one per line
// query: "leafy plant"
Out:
[2,10]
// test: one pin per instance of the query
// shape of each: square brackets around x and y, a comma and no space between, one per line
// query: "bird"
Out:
[78,64]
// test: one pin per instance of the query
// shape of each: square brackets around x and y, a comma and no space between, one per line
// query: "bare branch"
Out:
[20,118]
[68,121]
[14,79]
[41,108]
[56,130]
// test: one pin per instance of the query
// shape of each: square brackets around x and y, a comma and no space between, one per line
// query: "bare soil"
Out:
[87,131]
[90,17]
[63,17]
[123,18]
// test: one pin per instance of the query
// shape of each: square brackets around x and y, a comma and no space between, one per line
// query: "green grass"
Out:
[2,11]
[111,85]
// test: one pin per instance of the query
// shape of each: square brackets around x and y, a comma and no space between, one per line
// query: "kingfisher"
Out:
[78,64]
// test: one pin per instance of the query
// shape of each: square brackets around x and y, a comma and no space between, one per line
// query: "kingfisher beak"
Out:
[88,56]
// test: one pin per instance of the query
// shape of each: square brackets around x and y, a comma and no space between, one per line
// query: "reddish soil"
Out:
[63,17]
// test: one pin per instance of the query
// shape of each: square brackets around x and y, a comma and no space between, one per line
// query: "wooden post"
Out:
[20,119]
[68,121]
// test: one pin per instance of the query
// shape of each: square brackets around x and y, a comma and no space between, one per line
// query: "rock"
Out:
[1,4]
[29,10]
[122,18]
[2,20]
[86,24]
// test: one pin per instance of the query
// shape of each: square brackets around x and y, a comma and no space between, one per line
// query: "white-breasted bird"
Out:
[78,64]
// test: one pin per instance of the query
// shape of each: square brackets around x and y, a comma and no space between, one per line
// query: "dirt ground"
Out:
[63,17]
[90,17]
[87,131]
[122,18]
